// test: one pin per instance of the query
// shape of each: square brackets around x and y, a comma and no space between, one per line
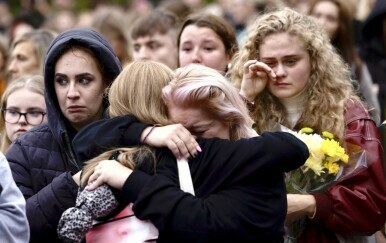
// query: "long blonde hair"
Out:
[136,91]
[329,85]
[34,83]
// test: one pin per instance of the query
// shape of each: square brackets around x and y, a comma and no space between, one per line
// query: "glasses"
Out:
[31,117]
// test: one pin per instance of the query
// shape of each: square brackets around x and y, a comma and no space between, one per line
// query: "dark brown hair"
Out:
[344,38]
[218,24]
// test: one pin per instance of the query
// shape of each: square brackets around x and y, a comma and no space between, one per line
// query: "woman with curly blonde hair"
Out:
[327,87]
[295,77]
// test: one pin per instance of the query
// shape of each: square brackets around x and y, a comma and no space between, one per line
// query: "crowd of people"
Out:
[158,121]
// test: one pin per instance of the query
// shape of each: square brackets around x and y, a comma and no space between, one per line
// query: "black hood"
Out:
[373,24]
[102,51]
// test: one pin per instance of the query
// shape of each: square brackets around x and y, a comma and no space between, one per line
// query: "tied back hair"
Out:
[329,85]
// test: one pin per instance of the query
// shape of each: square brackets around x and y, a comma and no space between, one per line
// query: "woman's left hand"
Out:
[110,172]
[299,206]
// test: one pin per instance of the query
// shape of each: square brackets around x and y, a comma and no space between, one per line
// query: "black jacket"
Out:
[239,185]
[42,160]
[373,49]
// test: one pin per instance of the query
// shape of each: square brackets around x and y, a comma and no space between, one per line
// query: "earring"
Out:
[229,66]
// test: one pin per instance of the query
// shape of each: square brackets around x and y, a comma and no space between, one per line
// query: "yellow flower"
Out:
[332,167]
[314,164]
[328,135]
[333,149]
[306,130]
[326,157]
[326,154]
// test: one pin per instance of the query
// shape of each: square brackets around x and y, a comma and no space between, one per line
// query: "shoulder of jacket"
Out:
[35,135]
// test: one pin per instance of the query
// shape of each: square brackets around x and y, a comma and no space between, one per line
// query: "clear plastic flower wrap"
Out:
[328,163]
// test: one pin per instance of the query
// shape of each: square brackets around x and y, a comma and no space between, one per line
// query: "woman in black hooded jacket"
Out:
[79,65]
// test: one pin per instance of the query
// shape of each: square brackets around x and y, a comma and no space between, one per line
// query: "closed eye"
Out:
[209,49]
[186,49]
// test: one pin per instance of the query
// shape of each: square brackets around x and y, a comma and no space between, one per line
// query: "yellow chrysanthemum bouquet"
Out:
[321,168]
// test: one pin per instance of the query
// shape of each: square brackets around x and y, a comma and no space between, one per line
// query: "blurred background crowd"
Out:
[169,32]
[114,19]
[137,32]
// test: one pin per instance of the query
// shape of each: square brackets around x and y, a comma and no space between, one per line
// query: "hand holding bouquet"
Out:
[321,169]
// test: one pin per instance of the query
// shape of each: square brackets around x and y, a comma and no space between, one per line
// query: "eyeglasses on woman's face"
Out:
[32,117]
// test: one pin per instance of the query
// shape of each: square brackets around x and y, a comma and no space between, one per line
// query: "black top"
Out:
[239,186]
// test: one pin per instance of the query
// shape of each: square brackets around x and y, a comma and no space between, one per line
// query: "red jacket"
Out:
[357,204]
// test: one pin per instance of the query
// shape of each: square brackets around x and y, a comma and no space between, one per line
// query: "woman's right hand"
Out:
[110,172]
[255,78]
[176,137]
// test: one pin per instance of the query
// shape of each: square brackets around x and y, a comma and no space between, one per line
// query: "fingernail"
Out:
[198,148]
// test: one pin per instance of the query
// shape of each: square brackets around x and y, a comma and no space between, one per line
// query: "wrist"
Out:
[76,178]
[311,206]
[123,176]
[250,104]
[247,97]
[145,134]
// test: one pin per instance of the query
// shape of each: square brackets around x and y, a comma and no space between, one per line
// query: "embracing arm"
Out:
[126,131]
[272,152]
[44,207]
[236,213]
[102,135]
[233,179]
[356,205]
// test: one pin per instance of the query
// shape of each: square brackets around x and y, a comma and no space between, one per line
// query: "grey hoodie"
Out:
[13,220]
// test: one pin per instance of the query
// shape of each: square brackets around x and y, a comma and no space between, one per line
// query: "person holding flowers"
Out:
[289,69]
